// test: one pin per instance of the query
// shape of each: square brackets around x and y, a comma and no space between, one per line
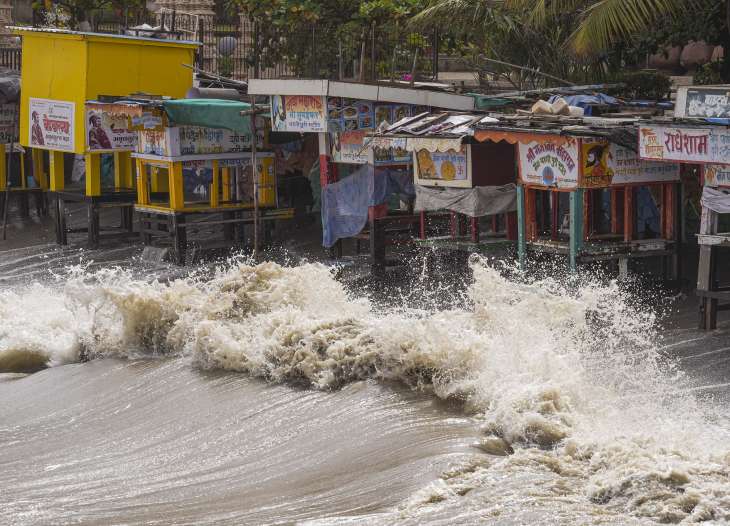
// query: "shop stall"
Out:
[702,142]
[463,183]
[193,177]
[583,193]
[63,70]
[342,114]
[16,179]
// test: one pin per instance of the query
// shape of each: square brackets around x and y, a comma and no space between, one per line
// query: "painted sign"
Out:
[550,162]
[8,123]
[349,114]
[443,166]
[627,168]
[195,140]
[298,113]
[596,171]
[391,151]
[349,147]
[701,145]
[717,175]
[707,102]
[51,124]
[108,131]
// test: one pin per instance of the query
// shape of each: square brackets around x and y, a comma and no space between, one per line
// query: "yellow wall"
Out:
[77,68]
[53,68]
[137,66]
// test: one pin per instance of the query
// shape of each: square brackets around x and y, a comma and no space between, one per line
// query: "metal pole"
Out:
[9,175]
[254,175]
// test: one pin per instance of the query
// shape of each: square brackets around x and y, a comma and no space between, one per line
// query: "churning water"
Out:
[265,394]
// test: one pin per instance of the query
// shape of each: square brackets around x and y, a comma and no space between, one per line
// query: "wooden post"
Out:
[123,171]
[510,219]
[555,208]
[56,170]
[93,230]
[521,226]
[615,212]
[706,271]
[215,187]
[226,184]
[588,205]
[628,213]
[474,229]
[3,168]
[422,224]
[377,247]
[530,214]
[454,224]
[93,174]
[39,170]
[175,182]
[576,226]
[255,177]
[143,196]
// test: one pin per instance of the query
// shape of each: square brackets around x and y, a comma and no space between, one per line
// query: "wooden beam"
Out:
[143,197]
[93,174]
[226,183]
[175,183]
[123,170]
[39,169]
[3,168]
[215,187]
[56,170]
[530,214]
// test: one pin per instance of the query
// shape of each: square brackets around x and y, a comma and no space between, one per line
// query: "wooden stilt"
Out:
[521,226]
[576,226]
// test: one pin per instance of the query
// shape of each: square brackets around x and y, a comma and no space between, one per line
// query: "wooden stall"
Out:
[584,197]
[697,141]
[16,178]
[62,70]
[342,114]
[465,189]
[200,178]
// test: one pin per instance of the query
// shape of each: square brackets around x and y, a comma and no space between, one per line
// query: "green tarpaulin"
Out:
[211,113]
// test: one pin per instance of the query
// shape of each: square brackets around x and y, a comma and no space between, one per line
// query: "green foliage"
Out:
[307,34]
[645,85]
[710,73]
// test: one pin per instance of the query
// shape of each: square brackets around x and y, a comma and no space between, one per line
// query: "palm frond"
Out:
[607,21]
[456,13]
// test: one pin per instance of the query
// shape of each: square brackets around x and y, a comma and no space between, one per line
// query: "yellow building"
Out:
[61,70]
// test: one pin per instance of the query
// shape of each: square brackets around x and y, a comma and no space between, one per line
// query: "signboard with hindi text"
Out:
[627,168]
[349,147]
[108,130]
[451,168]
[709,144]
[552,161]
[51,124]
[8,123]
[717,174]
[298,113]
[179,141]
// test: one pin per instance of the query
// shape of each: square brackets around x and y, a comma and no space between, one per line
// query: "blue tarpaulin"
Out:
[345,203]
